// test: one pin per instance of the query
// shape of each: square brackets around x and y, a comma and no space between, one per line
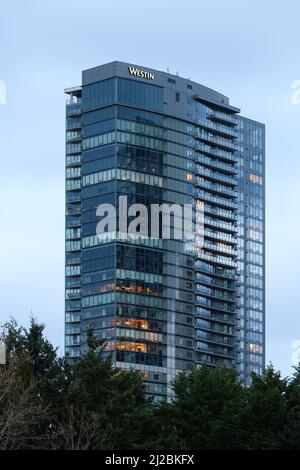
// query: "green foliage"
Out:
[267,408]
[50,402]
[204,413]
[88,394]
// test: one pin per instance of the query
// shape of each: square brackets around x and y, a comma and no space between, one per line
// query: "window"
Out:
[98,94]
[177,97]
[171,80]
[140,94]
[255,178]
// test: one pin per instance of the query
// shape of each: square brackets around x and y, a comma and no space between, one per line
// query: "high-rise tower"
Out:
[156,138]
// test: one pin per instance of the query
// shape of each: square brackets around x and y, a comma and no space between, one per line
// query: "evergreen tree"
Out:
[290,435]
[266,413]
[51,402]
[206,412]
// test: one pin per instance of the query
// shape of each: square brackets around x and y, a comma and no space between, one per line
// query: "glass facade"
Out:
[251,232]
[160,306]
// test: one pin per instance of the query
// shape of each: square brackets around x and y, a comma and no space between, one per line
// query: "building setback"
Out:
[161,308]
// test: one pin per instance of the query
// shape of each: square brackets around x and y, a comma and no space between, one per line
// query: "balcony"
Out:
[73,124]
[207,149]
[215,187]
[72,160]
[73,296]
[72,352]
[215,175]
[73,109]
[73,196]
[73,281]
[218,201]
[220,247]
[73,184]
[219,283]
[208,292]
[218,260]
[215,338]
[218,141]
[216,235]
[212,327]
[220,213]
[73,221]
[222,352]
[73,210]
[215,270]
[213,361]
[73,135]
[215,305]
[222,318]
[219,224]
[212,163]
[221,117]
[217,128]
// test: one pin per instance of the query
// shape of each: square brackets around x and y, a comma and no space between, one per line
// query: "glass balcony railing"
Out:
[72,160]
[73,281]
[217,211]
[202,290]
[73,109]
[221,260]
[215,282]
[211,162]
[207,149]
[219,224]
[74,137]
[214,350]
[73,221]
[216,270]
[215,338]
[73,100]
[215,187]
[73,196]
[214,328]
[72,352]
[220,247]
[225,143]
[211,315]
[219,201]
[220,236]
[217,128]
[223,306]
[202,358]
[73,296]
[223,117]
[73,124]
[73,209]
[215,175]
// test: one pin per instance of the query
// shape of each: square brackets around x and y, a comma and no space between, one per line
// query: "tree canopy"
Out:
[48,402]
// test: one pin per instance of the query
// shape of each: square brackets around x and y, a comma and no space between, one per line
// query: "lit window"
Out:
[255,178]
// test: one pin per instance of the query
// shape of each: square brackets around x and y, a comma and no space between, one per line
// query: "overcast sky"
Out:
[249,50]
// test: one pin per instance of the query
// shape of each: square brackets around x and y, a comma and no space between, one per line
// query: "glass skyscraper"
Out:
[155,138]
